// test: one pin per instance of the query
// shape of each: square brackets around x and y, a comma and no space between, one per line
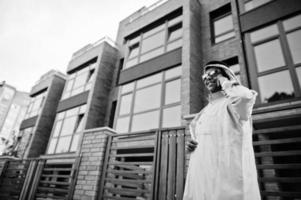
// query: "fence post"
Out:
[28,180]
[105,165]
[74,177]
[3,168]
[156,165]
[36,179]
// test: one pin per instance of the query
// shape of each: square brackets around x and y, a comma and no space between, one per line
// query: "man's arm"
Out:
[191,145]
[242,99]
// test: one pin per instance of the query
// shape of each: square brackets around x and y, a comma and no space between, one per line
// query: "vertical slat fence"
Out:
[12,178]
[171,164]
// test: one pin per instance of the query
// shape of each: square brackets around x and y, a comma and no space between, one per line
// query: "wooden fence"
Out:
[157,162]
[170,164]
[38,179]
[146,165]
[13,177]
[129,166]
[152,165]
[278,157]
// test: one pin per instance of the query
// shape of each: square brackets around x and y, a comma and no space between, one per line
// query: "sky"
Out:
[39,35]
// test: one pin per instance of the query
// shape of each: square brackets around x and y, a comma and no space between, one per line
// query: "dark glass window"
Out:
[276,53]
[222,27]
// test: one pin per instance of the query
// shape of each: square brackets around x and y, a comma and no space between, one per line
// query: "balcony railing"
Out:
[90,46]
[145,10]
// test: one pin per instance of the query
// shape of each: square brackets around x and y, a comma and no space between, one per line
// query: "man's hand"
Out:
[221,79]
[191,145]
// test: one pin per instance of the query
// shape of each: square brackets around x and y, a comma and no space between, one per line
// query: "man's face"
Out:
[211,81]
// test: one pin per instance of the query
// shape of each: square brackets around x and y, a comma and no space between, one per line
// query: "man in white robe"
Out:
[222,164]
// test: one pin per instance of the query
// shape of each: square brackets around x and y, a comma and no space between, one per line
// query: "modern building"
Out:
[7,94]
[13,108]
[147,87]
[271,32]
[38,121]
[84,103]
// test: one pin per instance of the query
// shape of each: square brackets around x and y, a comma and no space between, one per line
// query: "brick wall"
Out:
[92,149]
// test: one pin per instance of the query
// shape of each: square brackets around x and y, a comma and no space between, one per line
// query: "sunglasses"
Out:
[210,74]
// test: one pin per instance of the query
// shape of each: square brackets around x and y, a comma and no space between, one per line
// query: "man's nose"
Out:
[209,78]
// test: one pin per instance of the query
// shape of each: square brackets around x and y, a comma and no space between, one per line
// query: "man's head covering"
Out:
[224,67]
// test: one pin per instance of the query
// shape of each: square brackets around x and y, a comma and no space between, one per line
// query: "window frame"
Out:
[248,1]
[218,14]
[288,61]
[161,49]
[90,71]
[62,116]
[162,106]
[29,112]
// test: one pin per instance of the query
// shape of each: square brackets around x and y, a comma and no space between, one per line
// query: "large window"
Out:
[163,37]
[251,4]
[35,105]
[222,27]
[276,53]
[66,130]
[79,81]
[151,102]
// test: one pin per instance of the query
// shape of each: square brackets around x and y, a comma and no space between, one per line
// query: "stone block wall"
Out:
[92,150]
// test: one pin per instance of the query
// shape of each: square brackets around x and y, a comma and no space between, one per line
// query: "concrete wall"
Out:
[73,101]
[45,120]
[98,100]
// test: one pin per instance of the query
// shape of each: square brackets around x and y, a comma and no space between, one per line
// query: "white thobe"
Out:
[222,167]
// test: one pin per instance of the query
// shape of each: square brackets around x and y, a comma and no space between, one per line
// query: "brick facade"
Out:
[92,150]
